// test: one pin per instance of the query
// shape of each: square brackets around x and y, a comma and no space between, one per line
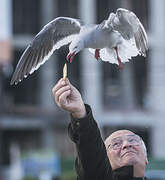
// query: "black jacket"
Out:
[92,162]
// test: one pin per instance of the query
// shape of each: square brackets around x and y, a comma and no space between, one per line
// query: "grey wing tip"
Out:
[144,54]
[13,82]
[141,42]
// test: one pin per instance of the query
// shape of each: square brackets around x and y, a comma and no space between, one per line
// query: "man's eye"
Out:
[132,140]
[116,144]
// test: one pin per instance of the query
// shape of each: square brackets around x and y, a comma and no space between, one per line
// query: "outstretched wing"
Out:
[129,26]
[55,34]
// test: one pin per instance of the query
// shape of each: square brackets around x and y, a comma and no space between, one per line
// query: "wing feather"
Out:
[55,34]
[129,26]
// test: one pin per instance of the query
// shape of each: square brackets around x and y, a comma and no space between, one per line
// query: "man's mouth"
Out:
[128,152]
[70,57]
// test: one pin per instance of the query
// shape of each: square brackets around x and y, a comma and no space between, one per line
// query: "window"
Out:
[26,16]
[68,9]
[26,20]
[26,91]
[112,97]
[140,64]
[112,75]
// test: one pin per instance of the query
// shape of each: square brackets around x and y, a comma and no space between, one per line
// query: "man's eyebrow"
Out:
[121,137]
[116,138]
[132,135]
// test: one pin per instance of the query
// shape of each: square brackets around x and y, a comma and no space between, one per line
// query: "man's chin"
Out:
[129,161]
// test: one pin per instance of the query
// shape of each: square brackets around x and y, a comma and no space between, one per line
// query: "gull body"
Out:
[115,40]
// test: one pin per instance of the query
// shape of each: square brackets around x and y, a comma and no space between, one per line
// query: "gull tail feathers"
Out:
[106,55]
[126,50]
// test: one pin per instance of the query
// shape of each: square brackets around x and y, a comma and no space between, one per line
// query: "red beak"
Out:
[70,57]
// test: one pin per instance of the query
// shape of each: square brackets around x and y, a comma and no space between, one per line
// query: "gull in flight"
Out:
[115,40]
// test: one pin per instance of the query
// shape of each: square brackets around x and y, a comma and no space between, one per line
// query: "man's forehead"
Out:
[119,133]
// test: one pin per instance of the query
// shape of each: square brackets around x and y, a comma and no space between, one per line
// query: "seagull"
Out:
[115,40]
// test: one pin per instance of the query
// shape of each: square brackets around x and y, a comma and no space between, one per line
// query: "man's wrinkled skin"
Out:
[128,154]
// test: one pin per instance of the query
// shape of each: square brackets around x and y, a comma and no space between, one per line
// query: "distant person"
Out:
[122,156]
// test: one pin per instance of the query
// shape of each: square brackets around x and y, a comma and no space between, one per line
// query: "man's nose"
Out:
[126,144]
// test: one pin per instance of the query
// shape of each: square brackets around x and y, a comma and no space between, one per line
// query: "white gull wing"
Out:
[129,26]
[126,50]
[57,33]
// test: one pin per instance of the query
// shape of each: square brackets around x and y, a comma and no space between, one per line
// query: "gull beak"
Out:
[70,57]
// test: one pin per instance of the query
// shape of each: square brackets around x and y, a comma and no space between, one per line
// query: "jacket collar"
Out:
[125,173]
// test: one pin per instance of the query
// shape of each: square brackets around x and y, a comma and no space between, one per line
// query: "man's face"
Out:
[125,148]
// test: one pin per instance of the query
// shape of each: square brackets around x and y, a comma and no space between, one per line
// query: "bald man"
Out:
[122,156]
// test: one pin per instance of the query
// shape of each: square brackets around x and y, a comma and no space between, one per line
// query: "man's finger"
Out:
[61,91]
[63,98]
[60,84]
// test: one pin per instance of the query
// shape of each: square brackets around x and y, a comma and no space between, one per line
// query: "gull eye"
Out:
[119,14]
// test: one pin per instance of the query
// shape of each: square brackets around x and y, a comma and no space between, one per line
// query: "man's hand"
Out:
[68,98]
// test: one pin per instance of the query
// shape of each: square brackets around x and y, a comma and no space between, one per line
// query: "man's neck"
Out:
[138,171]
[139,178]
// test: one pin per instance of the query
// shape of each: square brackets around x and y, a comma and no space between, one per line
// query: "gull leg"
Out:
[97,54]
[118,58]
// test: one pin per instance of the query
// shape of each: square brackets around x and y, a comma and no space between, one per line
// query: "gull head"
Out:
[111,17]
[121,12]
[75,47]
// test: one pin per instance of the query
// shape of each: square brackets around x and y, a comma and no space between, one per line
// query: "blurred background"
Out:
[34,143]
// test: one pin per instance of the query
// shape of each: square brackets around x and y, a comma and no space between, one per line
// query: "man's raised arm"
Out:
[92,161]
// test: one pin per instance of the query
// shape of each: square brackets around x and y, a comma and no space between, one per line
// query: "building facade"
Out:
[132,98]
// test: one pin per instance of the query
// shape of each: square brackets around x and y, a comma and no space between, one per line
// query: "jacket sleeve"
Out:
[92,161]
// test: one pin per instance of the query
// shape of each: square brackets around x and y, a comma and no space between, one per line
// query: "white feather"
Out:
[126,50]
[55,47]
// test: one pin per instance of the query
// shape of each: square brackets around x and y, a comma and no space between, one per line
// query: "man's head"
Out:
[126,148]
